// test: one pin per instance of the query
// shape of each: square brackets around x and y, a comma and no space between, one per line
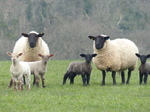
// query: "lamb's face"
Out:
[88,57]
[45,58]
[99,40]
[14,57]
[33,38]
[143,58]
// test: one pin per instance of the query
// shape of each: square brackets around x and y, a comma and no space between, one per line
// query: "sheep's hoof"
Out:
[44,86]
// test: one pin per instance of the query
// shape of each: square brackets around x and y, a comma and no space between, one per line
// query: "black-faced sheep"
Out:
[18,69]
[83,68]
[144,68]
[39,68]
[115,56]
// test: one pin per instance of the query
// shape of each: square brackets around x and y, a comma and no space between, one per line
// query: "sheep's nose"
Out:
[32,44]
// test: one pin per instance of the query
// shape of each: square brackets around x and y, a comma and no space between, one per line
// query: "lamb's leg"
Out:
[84,80]
[24,79]
[103,78]
[88,78]
[19,84]
[65,77]
[123,77]
[37,79]
[10,83]
[42,78]
[15,85]
[145,78]
[141,77]
[34,79]
[114,77]
[72,78]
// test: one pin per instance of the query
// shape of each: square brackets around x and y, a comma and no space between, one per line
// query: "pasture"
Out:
[74,98]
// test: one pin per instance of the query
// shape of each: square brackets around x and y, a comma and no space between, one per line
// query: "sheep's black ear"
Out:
[148,56]
[25,35]
[106,38]
[82,55]
[40,35]
[92,38]
[138,55]
[93,55]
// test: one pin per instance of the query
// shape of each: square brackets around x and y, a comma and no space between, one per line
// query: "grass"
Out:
[74,98]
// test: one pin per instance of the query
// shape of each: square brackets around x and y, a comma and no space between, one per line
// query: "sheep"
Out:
[39,68]
[115,56]
[18,69]
[144,68]
[83,68]
[30,45]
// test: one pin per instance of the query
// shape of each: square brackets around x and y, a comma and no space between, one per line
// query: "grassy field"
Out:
[74,98]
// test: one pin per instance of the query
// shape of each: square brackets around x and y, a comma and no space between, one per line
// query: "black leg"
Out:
[129,75]
[114,77]
[88,78]
[145,78]
[140,77]
[65,78]
[34,80]
[24,79]
[103,77]
[84,80]
[72,78]
[123,77]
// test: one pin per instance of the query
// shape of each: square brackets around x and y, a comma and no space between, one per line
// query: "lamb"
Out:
[39,68]
[115,56]
[144,68]
[18,69]
[83,68]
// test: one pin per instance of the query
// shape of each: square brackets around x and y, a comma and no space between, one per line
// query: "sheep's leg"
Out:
[65,77]
[24,79]
[34,79]
[129,75]
[19,84]
[123,77]
[72,78]
[145,78]
[103,78]
[84,80]
[88,78]
[141,77]
[10,83]
[15,85]
[37,79]
[114,77]
[42,78]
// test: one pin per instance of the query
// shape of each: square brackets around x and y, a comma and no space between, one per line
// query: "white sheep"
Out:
[18,69]
[114,55]
[39,68]
[30,45]
[82,68]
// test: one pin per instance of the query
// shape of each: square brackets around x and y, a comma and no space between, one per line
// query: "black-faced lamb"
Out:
[144,68]
[18,69]
[82,68]
[39,68]
[115,56]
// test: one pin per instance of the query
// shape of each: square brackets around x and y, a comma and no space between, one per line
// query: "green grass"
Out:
[74,98]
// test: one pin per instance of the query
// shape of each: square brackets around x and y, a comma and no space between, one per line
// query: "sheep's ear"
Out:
[138,55]
[106,38]
[148,56]
[93,55]
[51,55]
[25,35]
[19,54]
[92,38]
[40,35]
[9,53]
[40,55]
[82,55]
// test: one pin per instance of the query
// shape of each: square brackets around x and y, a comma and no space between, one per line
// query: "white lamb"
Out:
[39,68]
[114,55]
[30,45]
[18,69]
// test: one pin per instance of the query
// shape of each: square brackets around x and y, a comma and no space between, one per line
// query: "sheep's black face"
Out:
[99,41]
[88,57]
[143,58]
[32,37]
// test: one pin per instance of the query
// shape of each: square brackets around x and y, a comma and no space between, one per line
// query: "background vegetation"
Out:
[74,98]
[68,23]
